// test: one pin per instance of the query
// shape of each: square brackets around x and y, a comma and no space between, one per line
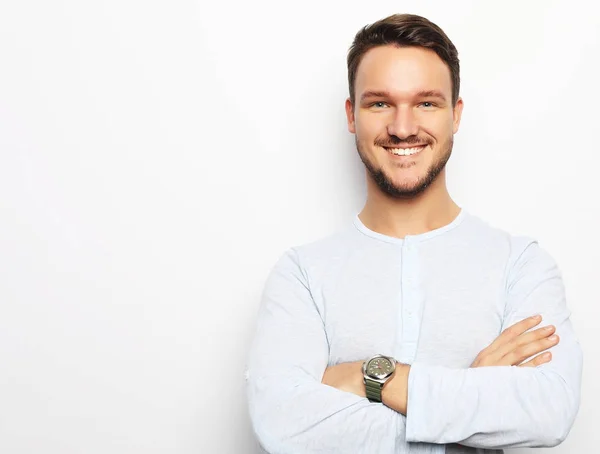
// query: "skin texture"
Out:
[410,104]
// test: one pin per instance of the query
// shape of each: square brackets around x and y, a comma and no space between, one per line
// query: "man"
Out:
[417,305]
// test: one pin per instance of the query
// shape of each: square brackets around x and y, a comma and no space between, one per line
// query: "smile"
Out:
[405,151]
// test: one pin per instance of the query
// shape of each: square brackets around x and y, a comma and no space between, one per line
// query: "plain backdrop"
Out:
[156,158]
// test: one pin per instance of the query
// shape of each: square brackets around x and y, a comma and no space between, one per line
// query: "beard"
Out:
[410,190]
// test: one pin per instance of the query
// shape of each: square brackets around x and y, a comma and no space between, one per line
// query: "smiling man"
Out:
[418,327]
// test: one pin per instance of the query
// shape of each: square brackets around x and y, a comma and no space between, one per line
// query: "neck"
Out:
[432,209]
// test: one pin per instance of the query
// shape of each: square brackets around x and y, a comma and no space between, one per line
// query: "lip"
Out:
[407,146]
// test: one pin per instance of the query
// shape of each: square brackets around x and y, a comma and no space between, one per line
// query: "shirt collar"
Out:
[410,238]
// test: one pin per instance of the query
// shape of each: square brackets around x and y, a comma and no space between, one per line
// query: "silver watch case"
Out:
[379,378]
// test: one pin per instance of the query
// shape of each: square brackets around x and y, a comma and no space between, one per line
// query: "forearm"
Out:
[487,407]
[305,416]
[492,407]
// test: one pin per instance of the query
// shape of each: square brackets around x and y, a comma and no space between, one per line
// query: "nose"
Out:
[403,123]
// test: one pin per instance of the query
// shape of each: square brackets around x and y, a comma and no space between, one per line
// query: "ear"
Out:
[350,116]
[457,114]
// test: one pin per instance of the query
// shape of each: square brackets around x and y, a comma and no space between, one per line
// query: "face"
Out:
[403,118]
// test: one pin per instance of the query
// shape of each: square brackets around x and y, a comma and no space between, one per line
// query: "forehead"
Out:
[402,71]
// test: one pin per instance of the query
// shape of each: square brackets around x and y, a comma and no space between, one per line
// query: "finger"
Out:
[538,360]
[527,351]
[525,339]
[534,335]
[513,331]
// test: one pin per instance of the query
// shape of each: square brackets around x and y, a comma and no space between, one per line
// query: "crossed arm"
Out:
[293,410]
[516,346]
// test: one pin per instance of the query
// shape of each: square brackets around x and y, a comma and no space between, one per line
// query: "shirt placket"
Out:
[411,298]
[410,314]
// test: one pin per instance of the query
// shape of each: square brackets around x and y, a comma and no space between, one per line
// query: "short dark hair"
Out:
[404,30]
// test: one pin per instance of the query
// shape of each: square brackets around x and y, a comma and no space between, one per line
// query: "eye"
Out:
[427,104]
[379,104]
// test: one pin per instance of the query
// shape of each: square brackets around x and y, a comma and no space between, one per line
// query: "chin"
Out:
[408,183]
[404,186]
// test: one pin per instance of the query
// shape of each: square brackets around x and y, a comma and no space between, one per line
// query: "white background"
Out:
[157,157]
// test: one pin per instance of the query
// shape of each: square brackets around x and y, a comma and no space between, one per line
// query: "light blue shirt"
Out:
[434,301]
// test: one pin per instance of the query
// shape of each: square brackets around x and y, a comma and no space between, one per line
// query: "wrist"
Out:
[395,392]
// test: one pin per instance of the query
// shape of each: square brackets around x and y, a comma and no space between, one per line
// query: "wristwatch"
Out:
[377,370]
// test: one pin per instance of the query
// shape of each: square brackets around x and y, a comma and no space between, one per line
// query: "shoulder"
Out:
[320,253]
[519,253]
[516,247]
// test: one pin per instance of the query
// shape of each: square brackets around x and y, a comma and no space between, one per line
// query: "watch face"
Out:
[380,367]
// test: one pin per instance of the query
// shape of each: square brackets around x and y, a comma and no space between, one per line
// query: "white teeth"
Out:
[405,151]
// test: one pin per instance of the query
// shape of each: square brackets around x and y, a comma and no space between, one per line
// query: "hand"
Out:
[515,345]
[346,377]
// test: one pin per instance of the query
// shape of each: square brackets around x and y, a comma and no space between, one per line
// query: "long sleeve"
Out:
[506,407]
[291,411]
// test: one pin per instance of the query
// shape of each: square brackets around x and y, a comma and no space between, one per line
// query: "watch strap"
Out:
[373,389]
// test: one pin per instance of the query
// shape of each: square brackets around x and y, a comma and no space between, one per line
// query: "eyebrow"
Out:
[386,94]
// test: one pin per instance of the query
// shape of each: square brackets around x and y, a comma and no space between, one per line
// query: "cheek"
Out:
[370,126]
[442,123]
[438,125]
